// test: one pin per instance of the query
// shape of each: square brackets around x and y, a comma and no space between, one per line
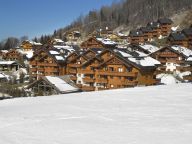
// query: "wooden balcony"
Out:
[181,68]
[51,69]
[168,55]
[33,69]
[129,83]
[86,71]
[114,73]
[71,71]
[41,69]
[73,78]
[32,63]
[88,79]
[88,88]
[34,75]
[189,77]
[74,65]
[101,80]
[46,64]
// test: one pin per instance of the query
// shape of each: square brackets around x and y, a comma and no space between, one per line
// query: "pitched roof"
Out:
[187,31]
[135,33]
[146,29]
[165,21]
[177,36]
[153,25]
[61,84]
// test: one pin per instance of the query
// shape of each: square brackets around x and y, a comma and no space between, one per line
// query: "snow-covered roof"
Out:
[60,84]
[106,41]
[33,42]
[145,61]
[4,51]
[2,75]
[58,40]
[29,54]
[54,52]
[150,48]
[124,54]
[60,58]
[190,58]
[185,51]
[7,62]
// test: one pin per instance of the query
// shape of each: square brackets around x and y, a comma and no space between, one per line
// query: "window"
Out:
[129,69]
[111,69]
[120,69]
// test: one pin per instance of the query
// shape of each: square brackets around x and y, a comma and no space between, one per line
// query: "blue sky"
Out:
[36,17]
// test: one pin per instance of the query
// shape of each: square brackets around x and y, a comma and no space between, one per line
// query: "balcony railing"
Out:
[114,73]
[73,78]
[33,69]
[130,83]
[46,64]
[74,65]
[189,77]
[101,80]
[182,68]
[86,71]
[168,55]
[88,88]
[72,71]
[88,79]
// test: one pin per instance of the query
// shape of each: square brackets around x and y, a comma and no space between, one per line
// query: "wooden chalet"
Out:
[52,85]
[30,45]
[47,62]
[165,25]
[172,58]
[56,41]
[188,33]
[178,39]
[2,53]
[76,59]
[106,69]
[12,55]
[9,66]
[136,37]
[156,29]
[97,43]
[188,68]
[147,33]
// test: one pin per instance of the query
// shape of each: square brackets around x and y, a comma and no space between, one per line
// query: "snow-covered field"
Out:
[150,115]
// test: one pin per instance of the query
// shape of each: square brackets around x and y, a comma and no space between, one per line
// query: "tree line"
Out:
[130,13]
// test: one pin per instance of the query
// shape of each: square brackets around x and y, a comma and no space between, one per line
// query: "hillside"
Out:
[145,115]
[125,15]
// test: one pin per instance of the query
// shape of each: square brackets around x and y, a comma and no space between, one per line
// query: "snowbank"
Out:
[145,115]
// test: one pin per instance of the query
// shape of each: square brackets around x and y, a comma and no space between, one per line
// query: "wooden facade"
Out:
[30,45]
[153,30]
[165,26]
[188,33]
[178,39]
[95,43]
[12,55]
[108,71]
[9,66]
[171,59]
[44,63]
[136,37]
